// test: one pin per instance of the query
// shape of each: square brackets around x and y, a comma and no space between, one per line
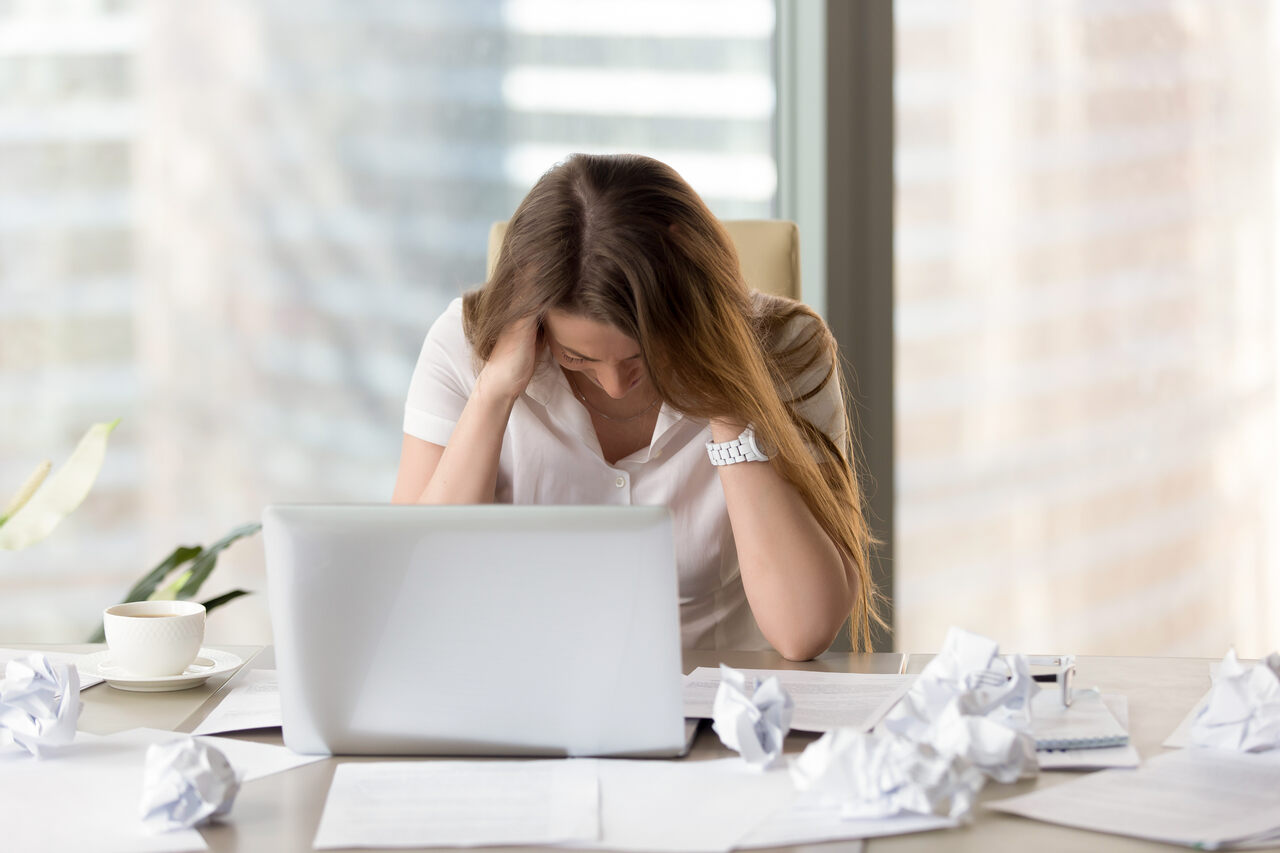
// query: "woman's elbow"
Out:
[804,644]
[797,656]
[806,639]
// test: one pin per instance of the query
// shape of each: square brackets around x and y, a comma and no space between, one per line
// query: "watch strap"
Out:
[740,449]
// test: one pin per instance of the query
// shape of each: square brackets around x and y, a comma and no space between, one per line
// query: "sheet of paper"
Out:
[685,806]
[82,796]
[250,760]
[1192,797]
[824,700]
[460,804]
[808,822]
[253,703]
[1100,758]
[1181,736]
[86,680]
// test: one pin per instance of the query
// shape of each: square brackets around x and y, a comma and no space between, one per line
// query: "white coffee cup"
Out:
[154,638]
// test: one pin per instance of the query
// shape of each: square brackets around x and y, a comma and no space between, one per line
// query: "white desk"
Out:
[281,812]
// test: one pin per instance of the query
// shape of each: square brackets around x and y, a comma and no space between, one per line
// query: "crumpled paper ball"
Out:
[39,703]
[968,701]
[186,783]
[1243,711]
[753,725]
[880,774]
[999,750]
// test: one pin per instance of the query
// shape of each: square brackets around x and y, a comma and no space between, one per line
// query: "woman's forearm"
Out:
[796,581]
[468,469]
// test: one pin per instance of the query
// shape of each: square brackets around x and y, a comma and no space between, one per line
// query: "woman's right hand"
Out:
[515,355]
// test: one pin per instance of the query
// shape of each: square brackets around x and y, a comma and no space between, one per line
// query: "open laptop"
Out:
[476,630]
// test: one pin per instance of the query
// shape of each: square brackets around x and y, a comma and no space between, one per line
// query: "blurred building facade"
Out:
[1088,211]
[240,243]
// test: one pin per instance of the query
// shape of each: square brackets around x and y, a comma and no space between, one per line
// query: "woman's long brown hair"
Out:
[625,241]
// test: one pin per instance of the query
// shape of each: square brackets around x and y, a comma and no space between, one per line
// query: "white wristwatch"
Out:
[741,449]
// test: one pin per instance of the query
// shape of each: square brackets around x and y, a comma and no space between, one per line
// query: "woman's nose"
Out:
[616,381]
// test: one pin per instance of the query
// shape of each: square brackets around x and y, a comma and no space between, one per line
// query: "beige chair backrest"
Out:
[768,250]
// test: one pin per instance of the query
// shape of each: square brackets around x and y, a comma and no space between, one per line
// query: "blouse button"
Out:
[620,482]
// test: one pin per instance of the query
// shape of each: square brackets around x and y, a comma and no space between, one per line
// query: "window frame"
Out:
[835,121]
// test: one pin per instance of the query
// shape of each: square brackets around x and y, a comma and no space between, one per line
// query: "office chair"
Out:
[768,251]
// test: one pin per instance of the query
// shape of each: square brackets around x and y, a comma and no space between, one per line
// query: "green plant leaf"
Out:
[142,589]
[224,598]
[188,583]
[60,494]
[204,564]
[169,591]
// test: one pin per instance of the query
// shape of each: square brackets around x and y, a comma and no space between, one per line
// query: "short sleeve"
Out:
[825,408]
[442,380]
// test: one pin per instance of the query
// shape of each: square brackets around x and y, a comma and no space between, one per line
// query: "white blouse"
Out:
[551,455]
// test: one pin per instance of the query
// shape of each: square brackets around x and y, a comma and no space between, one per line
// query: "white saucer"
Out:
[208,662]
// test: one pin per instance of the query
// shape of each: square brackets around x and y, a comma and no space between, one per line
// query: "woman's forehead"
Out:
[590,338]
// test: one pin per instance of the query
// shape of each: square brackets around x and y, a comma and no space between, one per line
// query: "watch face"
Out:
[757,443]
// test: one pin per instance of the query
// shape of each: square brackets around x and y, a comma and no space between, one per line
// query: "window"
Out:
[1086,325]
[231,224]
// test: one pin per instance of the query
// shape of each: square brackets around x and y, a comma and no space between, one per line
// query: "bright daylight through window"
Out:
[230,225]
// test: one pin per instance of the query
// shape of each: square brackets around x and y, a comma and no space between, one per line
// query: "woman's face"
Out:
[601,353]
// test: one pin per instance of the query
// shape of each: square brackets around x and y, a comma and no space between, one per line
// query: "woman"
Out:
[612,358]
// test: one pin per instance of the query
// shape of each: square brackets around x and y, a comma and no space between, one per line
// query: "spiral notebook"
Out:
[1087,723]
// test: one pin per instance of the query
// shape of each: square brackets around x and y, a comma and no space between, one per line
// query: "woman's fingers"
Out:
[515,354]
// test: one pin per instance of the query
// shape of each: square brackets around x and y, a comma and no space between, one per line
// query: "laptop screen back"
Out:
[480,630]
